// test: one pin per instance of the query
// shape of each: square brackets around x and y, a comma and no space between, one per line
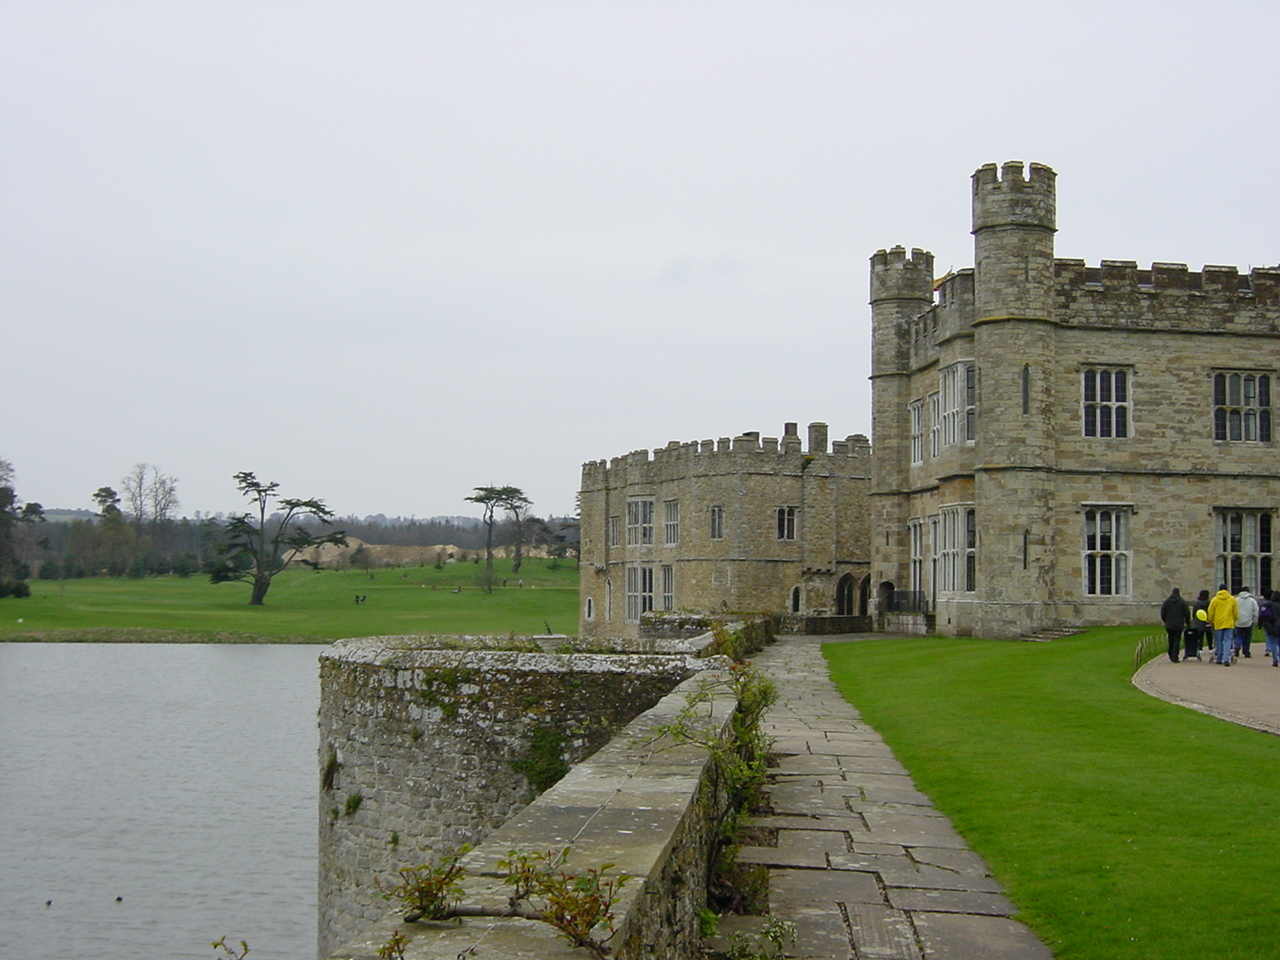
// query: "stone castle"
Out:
[1055,446]
[747,523]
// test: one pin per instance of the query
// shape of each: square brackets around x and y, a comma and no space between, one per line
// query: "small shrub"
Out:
[575,904]
[393,949]
[771,942]
[221,944]
[353,803]
[429,891]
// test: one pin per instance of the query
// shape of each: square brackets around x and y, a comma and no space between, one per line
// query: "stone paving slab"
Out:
[951,901]
[961,861]
[864,765]
[846,823]
[953,936]
[821,935]
[823,889]
[882,933]
[864,866]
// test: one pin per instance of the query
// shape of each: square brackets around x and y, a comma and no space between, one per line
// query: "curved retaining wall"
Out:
[423,750]
[642,804]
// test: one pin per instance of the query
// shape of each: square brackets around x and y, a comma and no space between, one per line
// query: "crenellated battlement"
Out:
[1014,196]
[1121,277]
[710,456]
[895,276]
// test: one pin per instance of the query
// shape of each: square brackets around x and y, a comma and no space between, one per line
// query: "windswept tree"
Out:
[493,499]
[258,544]
[517,506]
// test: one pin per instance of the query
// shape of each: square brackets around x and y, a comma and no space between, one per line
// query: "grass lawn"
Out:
[1122,826]
[302,605]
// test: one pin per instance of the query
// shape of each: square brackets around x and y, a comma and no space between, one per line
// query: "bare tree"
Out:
[134,486]
[162,497]
[149,494]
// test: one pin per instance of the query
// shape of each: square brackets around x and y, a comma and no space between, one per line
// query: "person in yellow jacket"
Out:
[1223,611]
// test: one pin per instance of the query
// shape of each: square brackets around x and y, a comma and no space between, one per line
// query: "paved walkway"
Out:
[864,866]
[1247,692]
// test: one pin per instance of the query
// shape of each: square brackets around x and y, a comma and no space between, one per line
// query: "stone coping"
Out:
[410,652]
[639,803]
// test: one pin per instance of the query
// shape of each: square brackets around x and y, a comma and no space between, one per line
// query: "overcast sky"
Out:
[386,252]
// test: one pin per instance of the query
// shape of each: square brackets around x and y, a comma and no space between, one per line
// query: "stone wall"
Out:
[642,804]
[423,750]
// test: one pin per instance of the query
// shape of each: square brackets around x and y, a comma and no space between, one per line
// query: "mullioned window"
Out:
[1242,407]
[1106,403]
[1107,557]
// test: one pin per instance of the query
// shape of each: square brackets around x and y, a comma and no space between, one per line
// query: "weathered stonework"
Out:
[423,750]
[1030,328]
[643,803]
[743,524]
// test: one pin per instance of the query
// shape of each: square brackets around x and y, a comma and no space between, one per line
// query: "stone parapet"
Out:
[423,750]
[641,804]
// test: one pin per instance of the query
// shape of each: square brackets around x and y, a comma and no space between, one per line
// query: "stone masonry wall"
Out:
[424,750]
[644,804]
[1032,326]
[747,567]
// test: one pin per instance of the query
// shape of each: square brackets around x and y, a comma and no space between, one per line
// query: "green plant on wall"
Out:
[738,758]
[543,765]
[771,942]
[575,904]
[393,949]
[229,951]
[579,906]
[329,775]
[429,891]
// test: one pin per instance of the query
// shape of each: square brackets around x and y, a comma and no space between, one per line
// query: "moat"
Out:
[179,778]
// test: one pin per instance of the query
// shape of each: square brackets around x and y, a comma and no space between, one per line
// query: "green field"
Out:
[303,606]
[1123,827]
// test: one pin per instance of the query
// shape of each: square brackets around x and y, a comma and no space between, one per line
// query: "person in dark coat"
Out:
[1176,616]
[1194,636]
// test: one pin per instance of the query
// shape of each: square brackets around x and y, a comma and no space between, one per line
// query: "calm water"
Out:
[179,777]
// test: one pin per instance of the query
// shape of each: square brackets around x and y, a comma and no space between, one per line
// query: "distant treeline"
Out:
[119,544]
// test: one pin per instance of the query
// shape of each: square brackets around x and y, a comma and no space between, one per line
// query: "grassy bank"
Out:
[1124,827]
[303,606]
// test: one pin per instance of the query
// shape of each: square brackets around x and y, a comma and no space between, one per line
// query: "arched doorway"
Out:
[844,596]
[795,599]
[884,598]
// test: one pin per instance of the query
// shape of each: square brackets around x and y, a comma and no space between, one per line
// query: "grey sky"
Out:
[387,252]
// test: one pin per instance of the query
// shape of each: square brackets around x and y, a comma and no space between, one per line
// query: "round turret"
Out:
[895,277]
[1014,219]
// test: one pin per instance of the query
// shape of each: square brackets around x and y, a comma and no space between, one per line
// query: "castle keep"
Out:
[749,523]
[1058,444]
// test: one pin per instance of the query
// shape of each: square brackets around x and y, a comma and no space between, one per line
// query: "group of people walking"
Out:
[1223,623]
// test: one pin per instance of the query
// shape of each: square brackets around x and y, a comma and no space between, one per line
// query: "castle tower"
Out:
[1014,219]
[901,290]
[1015,353]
